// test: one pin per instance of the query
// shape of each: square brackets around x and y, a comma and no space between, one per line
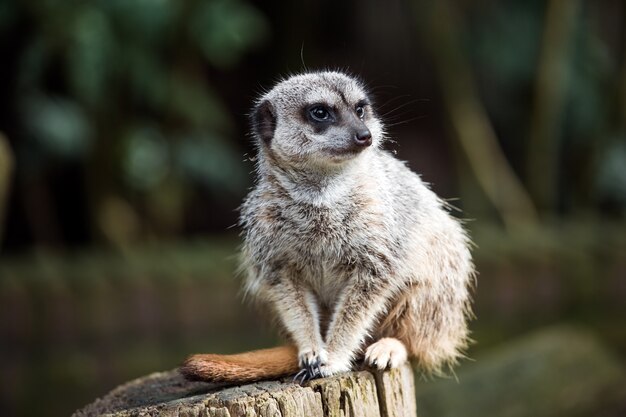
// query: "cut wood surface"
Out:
[356,394]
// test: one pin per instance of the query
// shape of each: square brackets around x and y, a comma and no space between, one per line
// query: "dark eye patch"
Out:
[320,116]
[320,113]
[359,109]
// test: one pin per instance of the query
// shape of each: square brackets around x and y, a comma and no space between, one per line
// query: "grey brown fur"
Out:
[357,257]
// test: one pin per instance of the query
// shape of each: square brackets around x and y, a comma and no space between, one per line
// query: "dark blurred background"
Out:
[124,155]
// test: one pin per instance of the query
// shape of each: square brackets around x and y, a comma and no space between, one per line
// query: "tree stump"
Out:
[355,394]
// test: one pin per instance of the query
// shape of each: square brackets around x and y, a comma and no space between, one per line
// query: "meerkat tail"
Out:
[242,367]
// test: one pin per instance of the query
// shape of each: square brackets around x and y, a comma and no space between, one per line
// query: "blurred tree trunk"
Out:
[41,213]
[621,83]
[545,126]
[6,171]
[473,129]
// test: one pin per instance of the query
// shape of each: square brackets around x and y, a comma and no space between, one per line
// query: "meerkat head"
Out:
[320,120]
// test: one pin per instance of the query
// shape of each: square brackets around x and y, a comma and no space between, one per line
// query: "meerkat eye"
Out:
[360,111]
[320,113]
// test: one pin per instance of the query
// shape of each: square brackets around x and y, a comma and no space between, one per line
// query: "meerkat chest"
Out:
[323,243]
[329,241]
[322,234]
[298,233]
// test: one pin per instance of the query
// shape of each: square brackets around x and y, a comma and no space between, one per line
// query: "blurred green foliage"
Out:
[610,184]
[505,44]
[59,127]
[122,88]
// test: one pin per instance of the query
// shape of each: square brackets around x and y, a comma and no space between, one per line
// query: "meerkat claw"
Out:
[312,365]
[313,368]
[318,370]
[302,375]
[305,377]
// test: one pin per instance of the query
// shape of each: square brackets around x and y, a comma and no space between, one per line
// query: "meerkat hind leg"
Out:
[387,352]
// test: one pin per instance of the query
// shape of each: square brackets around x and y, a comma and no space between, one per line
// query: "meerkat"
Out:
[356,256]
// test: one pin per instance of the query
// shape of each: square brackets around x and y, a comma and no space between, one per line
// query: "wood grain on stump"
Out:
[356,394]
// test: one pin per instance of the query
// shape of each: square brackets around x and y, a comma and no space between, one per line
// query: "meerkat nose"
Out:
[363,137]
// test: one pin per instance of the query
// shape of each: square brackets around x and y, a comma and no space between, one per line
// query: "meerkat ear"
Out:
[264,121]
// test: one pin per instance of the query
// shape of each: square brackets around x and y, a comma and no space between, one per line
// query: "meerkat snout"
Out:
[363,137]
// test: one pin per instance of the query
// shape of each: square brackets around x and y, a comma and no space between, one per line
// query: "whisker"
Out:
[402,122]
[302,57]
[392,100]
[408,103]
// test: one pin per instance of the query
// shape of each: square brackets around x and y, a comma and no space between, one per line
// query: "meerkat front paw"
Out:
[334,368]
[312,357]
[311,362]
[337,362]
[386,353]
